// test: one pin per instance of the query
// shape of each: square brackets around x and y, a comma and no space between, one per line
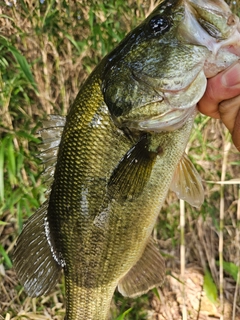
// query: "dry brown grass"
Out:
[203,233]
[59,66]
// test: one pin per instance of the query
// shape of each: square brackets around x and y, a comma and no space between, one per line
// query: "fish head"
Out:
[153,80]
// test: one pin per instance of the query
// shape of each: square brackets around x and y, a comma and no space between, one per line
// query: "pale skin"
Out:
[222,100]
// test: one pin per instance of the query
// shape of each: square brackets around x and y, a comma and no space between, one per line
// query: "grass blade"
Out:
[122,316]
[5,257]
[230,268]
[21,60]
[1,172]
[209,287]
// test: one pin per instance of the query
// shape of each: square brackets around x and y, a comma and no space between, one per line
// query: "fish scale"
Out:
[122,234]
[117,154]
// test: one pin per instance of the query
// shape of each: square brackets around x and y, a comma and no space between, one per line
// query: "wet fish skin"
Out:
[122,148]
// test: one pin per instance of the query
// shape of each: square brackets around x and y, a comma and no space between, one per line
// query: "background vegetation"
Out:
[47,49]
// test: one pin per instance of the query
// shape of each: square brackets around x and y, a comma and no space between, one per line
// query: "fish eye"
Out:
[159,24]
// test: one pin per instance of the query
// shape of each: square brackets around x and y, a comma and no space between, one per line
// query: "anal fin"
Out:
[33,258]
[147,273]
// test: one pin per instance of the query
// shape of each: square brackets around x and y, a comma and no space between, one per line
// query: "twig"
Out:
[227,146]
[238,258]
[182,257]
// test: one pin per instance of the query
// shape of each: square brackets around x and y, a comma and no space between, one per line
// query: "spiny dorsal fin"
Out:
[147,273]
[34,258]
[51,136]
[187,183]
[132,173]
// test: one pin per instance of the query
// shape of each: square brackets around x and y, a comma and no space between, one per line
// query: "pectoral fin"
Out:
[133,172]
[147,273]
[33,259]
[187,183]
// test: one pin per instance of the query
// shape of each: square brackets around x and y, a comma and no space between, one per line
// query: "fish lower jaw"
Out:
[169,121]
[217,63]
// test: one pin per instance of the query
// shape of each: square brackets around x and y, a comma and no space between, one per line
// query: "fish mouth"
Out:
[221,32]
[166,122]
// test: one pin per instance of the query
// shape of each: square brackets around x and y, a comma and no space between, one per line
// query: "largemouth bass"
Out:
[117,154]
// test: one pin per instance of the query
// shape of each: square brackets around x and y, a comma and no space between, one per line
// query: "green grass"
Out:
[46,51]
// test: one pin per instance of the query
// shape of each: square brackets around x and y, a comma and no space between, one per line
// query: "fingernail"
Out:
[231,76]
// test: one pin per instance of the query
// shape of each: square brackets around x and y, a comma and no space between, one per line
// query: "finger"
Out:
[223,86]
[228,111]
[236,132]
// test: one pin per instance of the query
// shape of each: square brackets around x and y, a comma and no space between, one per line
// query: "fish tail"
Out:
[87,303]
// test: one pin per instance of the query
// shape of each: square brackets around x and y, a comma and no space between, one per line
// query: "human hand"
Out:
[222,100]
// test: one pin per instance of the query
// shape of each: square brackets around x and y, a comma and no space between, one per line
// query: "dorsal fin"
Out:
[51,136]
[35,259]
